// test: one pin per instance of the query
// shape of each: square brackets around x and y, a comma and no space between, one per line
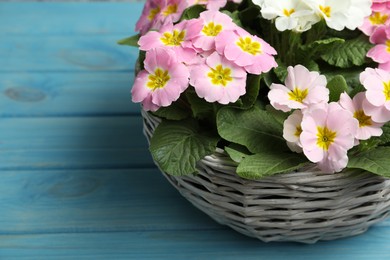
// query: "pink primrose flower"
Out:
[328,132]
[175,37]
[218,80]
[375,20]
[152,8]
[367,127]
[380,53]
[292,130]
[377,103]
[380,5]
[162,81]
[214,22]
[246,50]
[302,88]
[214,5]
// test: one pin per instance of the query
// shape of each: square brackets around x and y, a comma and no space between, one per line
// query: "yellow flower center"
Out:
[153,12]
[173,39]
[378,18]
[158,80]
[288,12]
[363,119]
[326,10]
[386,90]
[246,44]
[212,29]
[171,9]
[387,45]
[298,95]
[325,137]
[298,131]
[220,75]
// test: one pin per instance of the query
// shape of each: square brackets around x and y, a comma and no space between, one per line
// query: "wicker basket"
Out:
[304,206]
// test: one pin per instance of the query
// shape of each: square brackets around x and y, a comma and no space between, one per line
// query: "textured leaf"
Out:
[237,152]
[385,137]
[192,12]
[375,161]
[351,53]
[200,107]
[280,71]
[130,41]
[253,128]
[322,46]
[178,145]
[351,75]
[269,163]
[176,111]
[252,91]
[336,86]
[278,115]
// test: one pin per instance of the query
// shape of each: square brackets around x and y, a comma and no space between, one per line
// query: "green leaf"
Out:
[385,137]
[130,41]
[253,128]
[252,91]
[267,78]
[350,53]
[248,16]
[375,161]
[366,145]
[178,145]
[200,107]
[235,17]
[176,111]
[336,86]
[269,163]
[281,71]
[279,115]
[237,152]
[192,12]
[322,46]
[351,75]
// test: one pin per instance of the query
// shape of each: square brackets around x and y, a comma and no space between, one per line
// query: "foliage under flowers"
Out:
[276,84]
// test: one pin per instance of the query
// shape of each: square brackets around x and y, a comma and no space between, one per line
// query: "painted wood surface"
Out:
[77,181]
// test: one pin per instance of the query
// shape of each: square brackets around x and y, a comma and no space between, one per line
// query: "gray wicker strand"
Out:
[304,206]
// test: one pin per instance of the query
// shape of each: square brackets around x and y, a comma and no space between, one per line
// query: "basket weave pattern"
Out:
[304,206]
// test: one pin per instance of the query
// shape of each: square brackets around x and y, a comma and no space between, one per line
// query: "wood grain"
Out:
[99,200]
[72,143]
[76,178]
[66,94]
[64,53]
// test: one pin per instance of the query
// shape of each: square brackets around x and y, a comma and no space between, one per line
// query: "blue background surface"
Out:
[76,178]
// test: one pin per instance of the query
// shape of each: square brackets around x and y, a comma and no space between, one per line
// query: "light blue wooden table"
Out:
[76,180]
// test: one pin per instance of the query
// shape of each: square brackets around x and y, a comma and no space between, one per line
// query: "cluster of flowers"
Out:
[211,53]
[377,27]
[156,13]
[326,131]
[214,55]
[301,15]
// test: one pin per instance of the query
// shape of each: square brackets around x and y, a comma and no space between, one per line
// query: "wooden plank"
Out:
[204,244]
[68,143]
[66,94]
[93,201]
[68,18]
[71,133]
[26,53]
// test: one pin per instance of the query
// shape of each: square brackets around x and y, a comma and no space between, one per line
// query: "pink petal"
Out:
[140,91]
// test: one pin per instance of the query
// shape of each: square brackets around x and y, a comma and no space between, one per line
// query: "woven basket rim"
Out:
[301,206]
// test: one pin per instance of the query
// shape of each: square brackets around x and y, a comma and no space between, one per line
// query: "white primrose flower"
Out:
[339,14]
[258,2]
[289,14]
